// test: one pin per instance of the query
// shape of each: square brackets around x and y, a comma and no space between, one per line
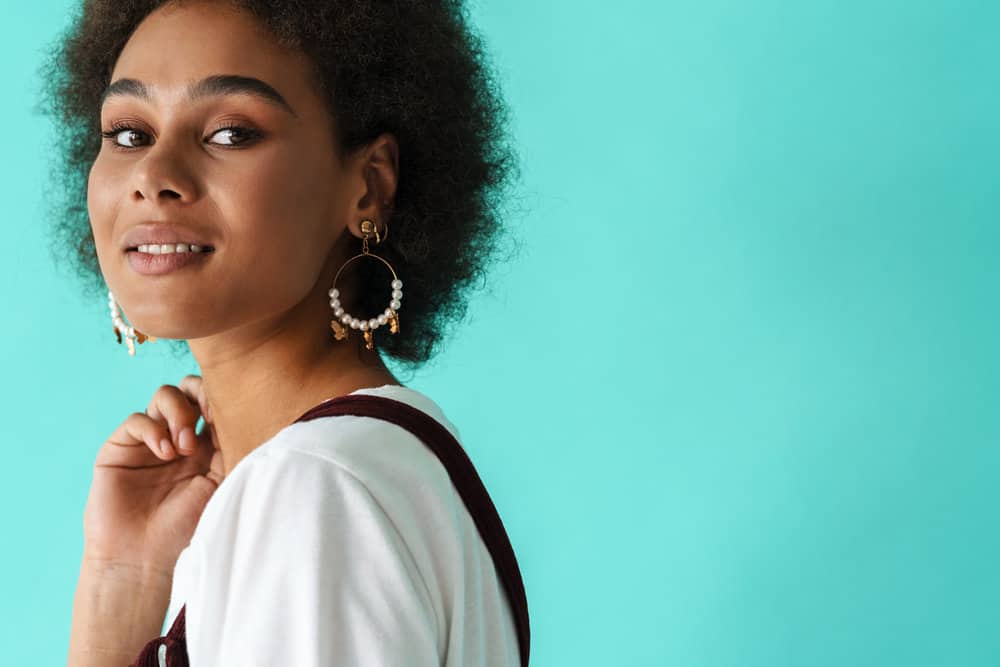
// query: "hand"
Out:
[145,501]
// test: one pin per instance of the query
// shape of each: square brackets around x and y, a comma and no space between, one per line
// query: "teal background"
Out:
[736,401]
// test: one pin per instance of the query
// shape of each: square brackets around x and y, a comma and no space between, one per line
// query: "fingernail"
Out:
[165,446]
[185,438]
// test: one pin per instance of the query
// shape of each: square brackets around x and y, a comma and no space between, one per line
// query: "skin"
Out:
[283,212]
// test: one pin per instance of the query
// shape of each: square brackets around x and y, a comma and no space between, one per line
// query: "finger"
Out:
[174,408]
[137,431]
[194,388]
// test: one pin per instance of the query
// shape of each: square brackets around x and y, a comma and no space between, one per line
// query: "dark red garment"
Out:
[463,475]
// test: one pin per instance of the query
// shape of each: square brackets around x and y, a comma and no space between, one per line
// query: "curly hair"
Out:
[413,68]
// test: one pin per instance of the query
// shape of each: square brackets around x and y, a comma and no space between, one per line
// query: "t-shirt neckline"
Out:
[363,390]
[268,444]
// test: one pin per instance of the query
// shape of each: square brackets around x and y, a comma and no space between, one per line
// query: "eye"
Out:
[117,130]
[249,134]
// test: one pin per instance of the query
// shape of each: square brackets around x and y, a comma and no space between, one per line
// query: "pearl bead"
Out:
[394,304]
[397,294]
[373,323]
[345,318]
[363,326]
[396,284]
[334,302]
[354,324]
[334,292]
[382,319]
[338,312]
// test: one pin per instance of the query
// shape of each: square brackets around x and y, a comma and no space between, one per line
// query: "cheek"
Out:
[299,185]
[279,212]
[102,196]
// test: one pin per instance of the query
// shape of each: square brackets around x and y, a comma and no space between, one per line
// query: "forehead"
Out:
[179,45]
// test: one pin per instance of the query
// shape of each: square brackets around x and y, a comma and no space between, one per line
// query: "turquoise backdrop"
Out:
[736,400]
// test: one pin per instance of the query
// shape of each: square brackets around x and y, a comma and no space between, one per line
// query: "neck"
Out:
[260,378]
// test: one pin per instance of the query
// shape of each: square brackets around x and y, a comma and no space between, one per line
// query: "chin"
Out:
[165,326]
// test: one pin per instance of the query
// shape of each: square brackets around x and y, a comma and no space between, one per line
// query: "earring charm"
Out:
[131,334]
[343,319]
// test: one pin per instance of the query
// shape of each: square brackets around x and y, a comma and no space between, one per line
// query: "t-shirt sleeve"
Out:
[307,570]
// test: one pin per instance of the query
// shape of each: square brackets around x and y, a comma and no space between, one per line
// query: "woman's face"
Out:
[272,204]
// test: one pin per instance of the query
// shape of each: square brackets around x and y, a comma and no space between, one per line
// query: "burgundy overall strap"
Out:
[167,651]
[463,475]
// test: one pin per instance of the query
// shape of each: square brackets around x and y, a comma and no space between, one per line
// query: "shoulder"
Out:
[333,460]
[343,504]
[388,460]
[368,447]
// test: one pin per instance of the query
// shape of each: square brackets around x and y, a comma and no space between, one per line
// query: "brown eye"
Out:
[115,132]
[243,134]
[131,134]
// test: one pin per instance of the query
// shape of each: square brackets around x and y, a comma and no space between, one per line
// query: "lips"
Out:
[156,265]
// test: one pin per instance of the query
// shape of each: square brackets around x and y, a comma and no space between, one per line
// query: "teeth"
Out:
[166,248]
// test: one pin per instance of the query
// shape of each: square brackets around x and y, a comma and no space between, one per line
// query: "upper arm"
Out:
[307,569]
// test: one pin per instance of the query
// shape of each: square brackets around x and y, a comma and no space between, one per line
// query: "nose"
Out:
[164,172]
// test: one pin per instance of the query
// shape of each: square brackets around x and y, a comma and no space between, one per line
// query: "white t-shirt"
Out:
[342,542]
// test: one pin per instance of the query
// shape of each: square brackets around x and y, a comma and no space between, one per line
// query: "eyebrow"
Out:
[212,86]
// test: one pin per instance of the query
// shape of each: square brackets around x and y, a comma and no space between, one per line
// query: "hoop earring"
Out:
[131,334]
[389,315]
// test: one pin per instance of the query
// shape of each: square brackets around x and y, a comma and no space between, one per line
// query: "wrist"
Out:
[142,574]
[117,609]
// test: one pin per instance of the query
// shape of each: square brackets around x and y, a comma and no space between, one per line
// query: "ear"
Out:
[374,171]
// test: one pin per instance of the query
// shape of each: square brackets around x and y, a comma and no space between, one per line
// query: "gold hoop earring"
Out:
[389,315]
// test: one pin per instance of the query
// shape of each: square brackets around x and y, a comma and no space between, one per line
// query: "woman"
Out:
[229,161]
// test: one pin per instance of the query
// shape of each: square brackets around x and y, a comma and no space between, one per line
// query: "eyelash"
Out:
[250,134]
